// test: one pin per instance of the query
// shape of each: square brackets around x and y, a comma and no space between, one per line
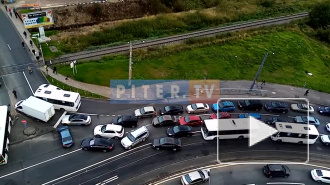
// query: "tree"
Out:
[319,16]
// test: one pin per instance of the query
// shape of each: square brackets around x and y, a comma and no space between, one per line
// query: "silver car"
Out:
[76,119]
[195,177]
[300,107]
[197,108]
[135,137]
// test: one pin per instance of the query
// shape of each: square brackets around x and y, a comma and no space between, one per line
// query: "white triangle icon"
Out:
[259,131]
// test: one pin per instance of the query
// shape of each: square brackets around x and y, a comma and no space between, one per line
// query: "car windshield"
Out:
[194,106]
[187,119]
[67,139]
[247,102]
[220,104]
[319,173]
[142,111]
[103,128]
[202,174]
[329,137]
[176,129]
[131,137]
[327,108]
[274,104]
[167,108]
[71,117]
[188,179]
[160,119]
[162,141]
[120,119]
[91,143]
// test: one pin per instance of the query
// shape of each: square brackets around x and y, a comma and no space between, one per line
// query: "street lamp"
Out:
[130,63]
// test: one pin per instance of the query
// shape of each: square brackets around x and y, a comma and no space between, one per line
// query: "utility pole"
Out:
[260,68]
[130,64]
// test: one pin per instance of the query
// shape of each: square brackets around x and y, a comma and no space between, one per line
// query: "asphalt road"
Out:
[136,165]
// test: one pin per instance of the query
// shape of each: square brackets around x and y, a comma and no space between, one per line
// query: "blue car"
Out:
[247,115]
[225,106]
[324,111]
[66,137]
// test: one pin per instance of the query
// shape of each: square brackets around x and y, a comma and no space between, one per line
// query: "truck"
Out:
[36,108]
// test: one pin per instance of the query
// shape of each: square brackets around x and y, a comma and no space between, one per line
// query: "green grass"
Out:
[295,53]
[83,93]
[172,24]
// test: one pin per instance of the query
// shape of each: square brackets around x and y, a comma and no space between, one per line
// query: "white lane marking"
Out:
[108,180]
[59,120]
[39,163]
[9,47]
[82,169]
[148,125]
[297,183]
[28,83]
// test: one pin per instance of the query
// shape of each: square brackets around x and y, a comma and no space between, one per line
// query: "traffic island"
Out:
[29,131]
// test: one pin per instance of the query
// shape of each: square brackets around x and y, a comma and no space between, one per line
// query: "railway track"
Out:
[178,38]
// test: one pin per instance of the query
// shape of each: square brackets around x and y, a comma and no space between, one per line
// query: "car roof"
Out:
[65,133]
[279,103]
[149,108]
[167,117]
[113,127]
[228,103]
[192,118]
[275,167]
[139,131]
[101,141]
[129,117]
[194,175]
[80,116]
[325,173]
[200,104]
[184,128]
[174,106]
[169,140]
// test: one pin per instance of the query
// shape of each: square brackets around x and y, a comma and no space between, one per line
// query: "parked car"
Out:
[109,131]
[324,111]
[66,137]
[225,106]
[149,111]
[98,144]
[179,131]
[327,126]
[305,120]
[191,120]
[250,105]
[164,120]
[281,107]
[197,108]
[167,143]
[301,107]
[171,110]
[125,121]
[135,137]
[195,177]
[273,120]
[76,119]
[247,115]
[276,170]
[221,115]
[321,175]
[325,139]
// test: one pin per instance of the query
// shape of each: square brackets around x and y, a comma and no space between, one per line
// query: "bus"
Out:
[225,128]
[61,99]
[295,133]
[5,126]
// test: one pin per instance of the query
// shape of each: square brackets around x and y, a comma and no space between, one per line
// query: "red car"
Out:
[191,121]
[221,115]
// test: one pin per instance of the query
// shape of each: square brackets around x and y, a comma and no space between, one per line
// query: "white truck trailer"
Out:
[36,108]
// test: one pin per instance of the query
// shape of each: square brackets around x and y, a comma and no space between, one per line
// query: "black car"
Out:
[281,107]
[166,143]
[250,105]
[324,111]
[164,120]
[179,131]
[100,144]
[125,121]
[276,170]
[273,120]
[171,110]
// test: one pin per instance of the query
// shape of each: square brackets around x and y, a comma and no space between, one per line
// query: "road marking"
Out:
[59,120]
[148,125]
[297,183]
[9,47]
[108,180]
[39,163]
[82,169]
[28,83]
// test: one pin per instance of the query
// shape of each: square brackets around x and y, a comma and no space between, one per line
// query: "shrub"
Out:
[319,16]
[323,34]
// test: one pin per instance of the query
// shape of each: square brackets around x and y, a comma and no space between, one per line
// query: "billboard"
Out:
[37,19]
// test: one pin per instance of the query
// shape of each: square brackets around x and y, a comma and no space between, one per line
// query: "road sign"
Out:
[37,19]
[24,121]
[259,131]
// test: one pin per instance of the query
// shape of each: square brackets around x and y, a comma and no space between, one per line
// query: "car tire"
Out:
[189,135]
[300,143]
[240,137]
[318,181]
[98,136]
[157,148]
[61,109]
[143,139]
[65,124]
[105,151]
[82,124]
[284,112]
[326,144]
[174,149]
[286,176]
[116,138]
[257,109]
[279,140]
[133,126]
[85,149]
[129,148]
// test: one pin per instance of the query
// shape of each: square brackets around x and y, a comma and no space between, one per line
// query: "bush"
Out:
[319,16]
[323,34]
[267,3]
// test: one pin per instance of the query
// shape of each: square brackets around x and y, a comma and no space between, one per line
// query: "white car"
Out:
[135,137]
[195,177]
[76,119]
[197,108]
[325,139]
[321,175]
[109,131]
[327,126]
[149,111]
[300,107]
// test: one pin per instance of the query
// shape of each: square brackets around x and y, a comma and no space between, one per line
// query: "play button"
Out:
[259,131]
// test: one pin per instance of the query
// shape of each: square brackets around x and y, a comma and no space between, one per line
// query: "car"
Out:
[164,120]
[250,105]
[276,170]
[281,107]
[325,139]
[197,108]
[171,110]
[247,115]
[327,126]
[225,106]
[109,131]
[301,107]
[66,137]
[125,121]
[321,175]
[220,115]
[98,144]
[167,143]
[196,177]
[76,119]
[135,137]
[191,120]
[273,120]
[179,131]
[305,120]
[149,111]
[324,111]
